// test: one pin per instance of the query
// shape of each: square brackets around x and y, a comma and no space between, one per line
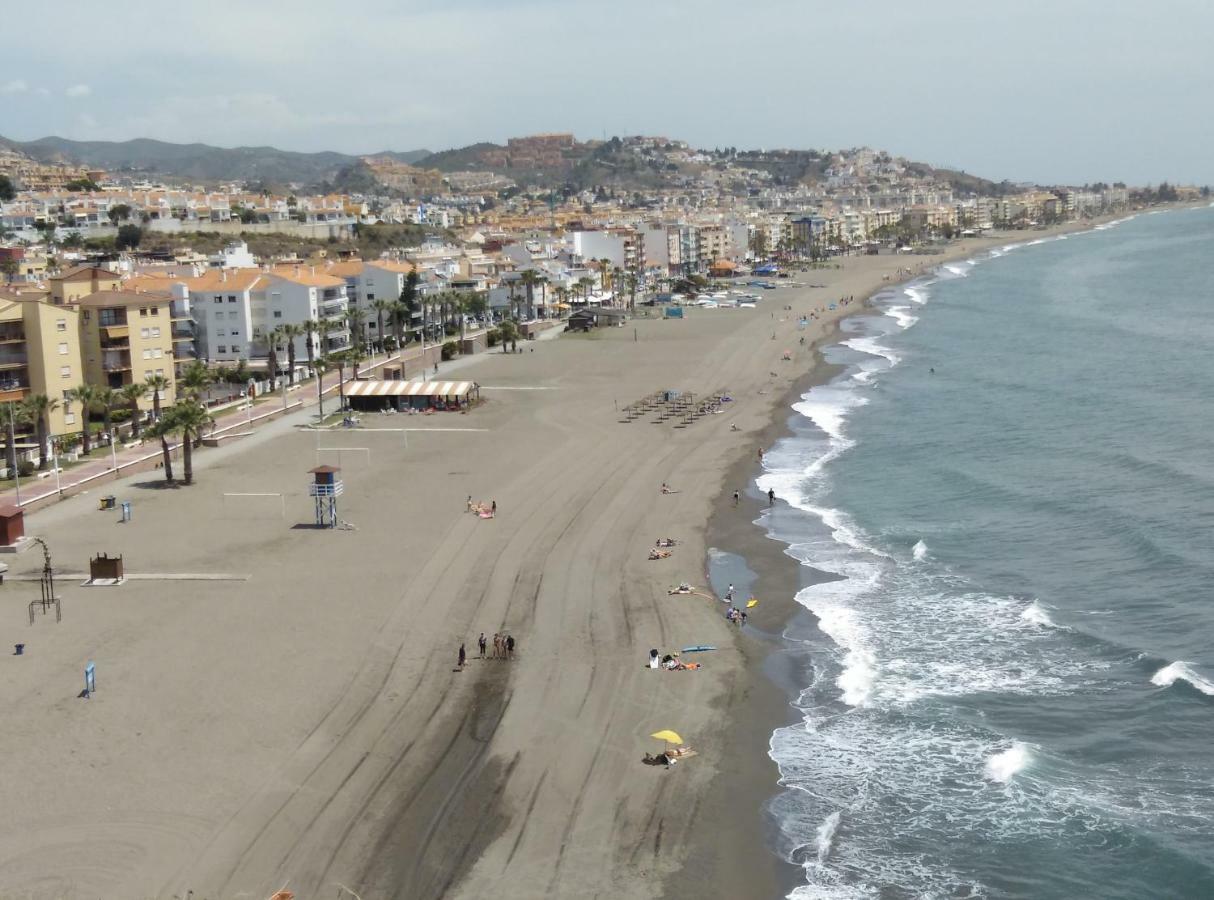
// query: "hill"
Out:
[195,162]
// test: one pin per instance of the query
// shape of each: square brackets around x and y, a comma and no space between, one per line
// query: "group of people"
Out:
[670,662]
[503,648]
[737,616]
[484,510]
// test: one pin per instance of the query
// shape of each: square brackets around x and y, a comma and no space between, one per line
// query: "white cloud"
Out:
[16,86]
[78,90]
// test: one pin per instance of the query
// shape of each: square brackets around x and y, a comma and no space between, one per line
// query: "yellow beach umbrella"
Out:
[668,736]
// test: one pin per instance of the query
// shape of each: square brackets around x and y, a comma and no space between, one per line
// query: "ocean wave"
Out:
[826,836]
[1035,614]
[828,406]
[1182,671]
[872,348]
[916,295]
[1003,766]
[919,551]
[901,315]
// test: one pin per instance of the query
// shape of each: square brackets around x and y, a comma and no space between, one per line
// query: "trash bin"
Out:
[108,502]
[126,510]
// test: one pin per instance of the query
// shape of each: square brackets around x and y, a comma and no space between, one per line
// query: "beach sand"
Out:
[300,724]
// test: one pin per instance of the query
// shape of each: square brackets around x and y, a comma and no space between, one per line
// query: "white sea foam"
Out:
[1035,614]
[920,550]
[827,407]
[1003,766]
[957,270]
[870,346]
[1182,671]
[901,315]
[916,295]
[826,836]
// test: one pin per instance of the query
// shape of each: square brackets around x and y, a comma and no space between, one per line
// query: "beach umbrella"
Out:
[667,736]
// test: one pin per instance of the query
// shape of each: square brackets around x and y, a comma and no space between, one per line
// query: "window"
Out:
[155,331]
[235,333]
[63,348]
[231,298]
[143,333]
[222,349]
[61,324]
[65,371]
[155,310]
[233,314]
[278,313]
[147,352]
[218,299]
[69,418]
[157,353]
[160,371]
[370,297]
[221,332]
[143,310]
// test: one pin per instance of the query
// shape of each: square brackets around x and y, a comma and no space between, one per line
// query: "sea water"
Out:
[1013,676]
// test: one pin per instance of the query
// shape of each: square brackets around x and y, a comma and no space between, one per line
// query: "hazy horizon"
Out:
[1028,92]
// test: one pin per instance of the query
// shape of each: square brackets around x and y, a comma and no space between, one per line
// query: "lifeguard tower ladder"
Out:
[326,487]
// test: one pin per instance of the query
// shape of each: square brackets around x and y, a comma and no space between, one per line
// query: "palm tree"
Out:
[191,418]
[37,408]
[310,327]
[339,360]
[290,332]
[107,399]
[273,342]
[164,427]
[355,356]
[400,312]
[586,283]
[530,278]
[509,333]
[320,367]
[604,263]
[156,385]
[196,379]
[88,398]
[382,308]
[131,394]
[354,319]
[12,413]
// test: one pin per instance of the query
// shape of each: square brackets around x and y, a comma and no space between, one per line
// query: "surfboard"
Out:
[697,648]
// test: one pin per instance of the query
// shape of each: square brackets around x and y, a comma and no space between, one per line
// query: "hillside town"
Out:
[105,305]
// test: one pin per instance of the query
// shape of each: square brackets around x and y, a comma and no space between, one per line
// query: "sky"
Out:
[1051,91]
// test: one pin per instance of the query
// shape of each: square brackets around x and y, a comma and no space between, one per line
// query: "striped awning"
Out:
[408,388]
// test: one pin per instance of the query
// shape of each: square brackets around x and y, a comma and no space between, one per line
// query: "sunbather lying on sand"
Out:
[683,588]
[655,553]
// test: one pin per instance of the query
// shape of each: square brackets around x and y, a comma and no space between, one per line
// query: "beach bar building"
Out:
[370,396]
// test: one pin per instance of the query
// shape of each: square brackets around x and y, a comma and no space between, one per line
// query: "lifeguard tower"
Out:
[326,487]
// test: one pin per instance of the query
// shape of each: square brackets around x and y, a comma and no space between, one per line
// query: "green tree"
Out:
[107,399]
[273,342]
[129,237]
[36,408]
[194,381]
[354,321]
[131,394]
[382,308]
[120,212]
[163,428]
[409,294]
[320,367]
[9,268]
[191,418]
[13,413]
[290,332]
[82,185]
[530,278]
[88,397]
[156,385]
[509,334]
[7,190]
[310,328]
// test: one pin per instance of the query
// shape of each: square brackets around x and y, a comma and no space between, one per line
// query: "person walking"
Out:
[462,657]
[509,646]
[737,497]
[494,508]
[480,642]
[729,594]
[771,496]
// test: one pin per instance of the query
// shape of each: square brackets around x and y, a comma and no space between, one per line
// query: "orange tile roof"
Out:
[104,299]
[225,279]
[306,275]
[345,269]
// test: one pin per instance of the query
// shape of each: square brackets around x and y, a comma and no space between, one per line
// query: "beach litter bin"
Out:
[126,510]
[107,502]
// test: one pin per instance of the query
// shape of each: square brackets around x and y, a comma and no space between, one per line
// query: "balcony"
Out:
[115,332]
[12,335]
[116,361]
[13,391]
[11,358]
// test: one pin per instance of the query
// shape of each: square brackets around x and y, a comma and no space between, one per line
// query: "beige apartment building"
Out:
[39,354]
[126,336]
[72,285]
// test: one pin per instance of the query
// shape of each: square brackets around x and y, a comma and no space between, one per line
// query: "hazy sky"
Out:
[1047,90]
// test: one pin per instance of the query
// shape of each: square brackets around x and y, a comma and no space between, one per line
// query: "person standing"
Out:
[481,643]
[771,496]
[462,657]
[729,594]
[509,646]
[737,497]
[494,508]
[497,645]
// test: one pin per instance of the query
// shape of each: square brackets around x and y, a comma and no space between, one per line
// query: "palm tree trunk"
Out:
[291,361]
[10,446]
[156,405]
[84,433]
[40,434]
[379,329]
[135,420]
[341,388]
[187,455]
[311,349]
[320,393]
[168,459]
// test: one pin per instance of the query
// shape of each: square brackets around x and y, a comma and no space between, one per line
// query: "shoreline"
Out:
[771,663]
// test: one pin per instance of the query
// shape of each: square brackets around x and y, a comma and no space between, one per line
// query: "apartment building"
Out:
[221,307]
[74,284]
[39,354]
[125,336]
